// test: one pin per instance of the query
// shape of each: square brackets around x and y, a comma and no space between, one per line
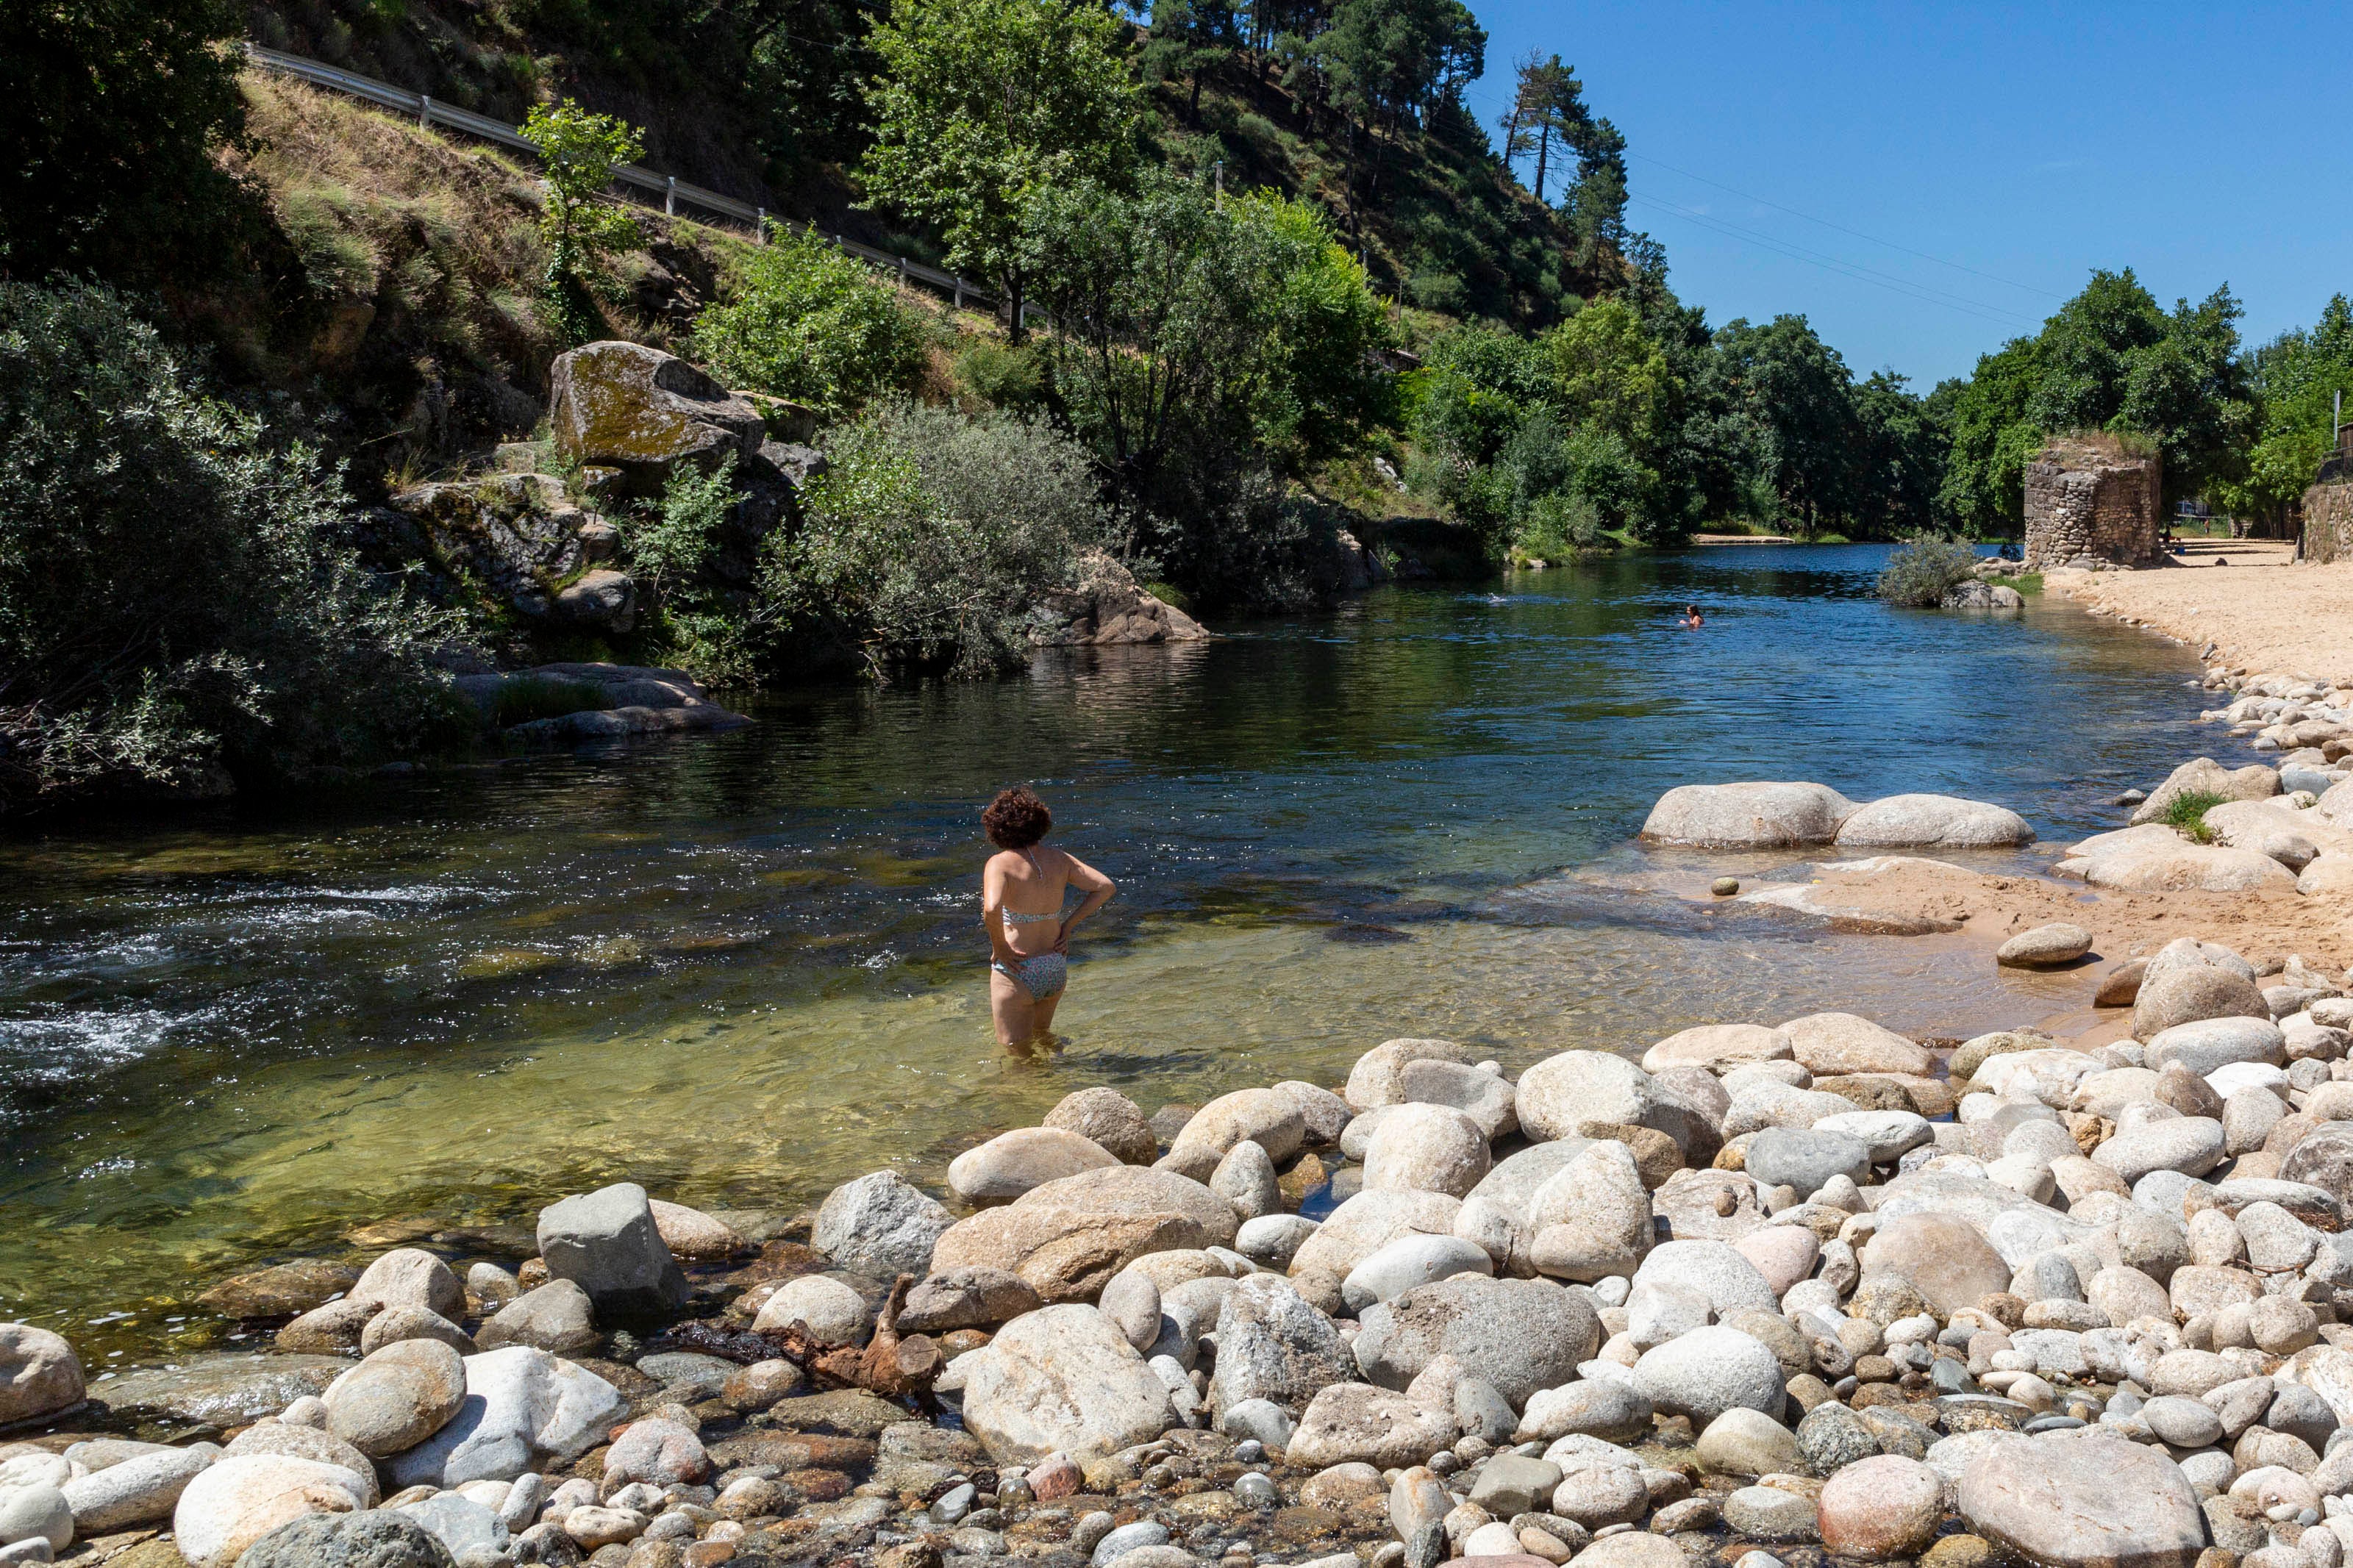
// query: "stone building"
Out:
[2328,510]
[2089,500]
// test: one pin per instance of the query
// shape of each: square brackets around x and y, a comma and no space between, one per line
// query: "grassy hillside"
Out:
[775,119]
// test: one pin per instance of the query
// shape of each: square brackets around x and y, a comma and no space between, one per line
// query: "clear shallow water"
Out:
[741,969]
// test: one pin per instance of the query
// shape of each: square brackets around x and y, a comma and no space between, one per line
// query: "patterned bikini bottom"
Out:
[1042,976]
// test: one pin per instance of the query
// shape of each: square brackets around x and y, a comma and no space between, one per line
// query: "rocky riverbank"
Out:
[1772,1291]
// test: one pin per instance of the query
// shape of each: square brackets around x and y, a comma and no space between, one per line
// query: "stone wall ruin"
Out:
[2089,500]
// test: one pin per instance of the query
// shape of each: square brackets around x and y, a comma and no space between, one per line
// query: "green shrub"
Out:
[809,322]
[522,697]
[178,598]
[2186,812]
[1921,572]
[932,537]
[998,376]
[672,550]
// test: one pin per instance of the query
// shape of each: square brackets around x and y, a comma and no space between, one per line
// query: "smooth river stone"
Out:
[1012,1164]
[2084,1500]
[1825,1043]
[1717,1046]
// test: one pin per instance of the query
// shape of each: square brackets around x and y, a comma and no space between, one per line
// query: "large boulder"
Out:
[39,1374]
[628,406]
[397,1397]
[1011,1164]
[1367,1222]
[1708,1371]
[1426,1148]
[236,1502]
[1353,1422]
[1717,1047]
[1836,1043]
[1379,1076]
[1061,1379]
[1747,815]
[1107,607]
[1140,1190]
[280,1290]
[2205,775]
[378,1538]
[1521,1335]
[1109,1120]
[882,1224]
[219,1389]
[1064,1254]
[2191,993]
[1261,1115]
[1944,1257]
[139,1490]
[523,1408]
[557,1317]
[1565,1094]
[2083,1500]
[606,1243]
[1273,1344]
[1932,822]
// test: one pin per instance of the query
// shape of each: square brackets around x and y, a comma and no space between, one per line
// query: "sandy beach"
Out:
[2263,612]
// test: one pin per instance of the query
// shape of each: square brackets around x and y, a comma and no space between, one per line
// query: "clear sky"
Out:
[2197,144]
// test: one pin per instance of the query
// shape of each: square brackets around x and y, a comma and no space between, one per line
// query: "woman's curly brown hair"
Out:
[1016,819]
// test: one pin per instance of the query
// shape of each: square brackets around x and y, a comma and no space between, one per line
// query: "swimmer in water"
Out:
[1691,618]
[1023,890]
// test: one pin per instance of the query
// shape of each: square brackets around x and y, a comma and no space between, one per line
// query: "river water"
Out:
[741,969]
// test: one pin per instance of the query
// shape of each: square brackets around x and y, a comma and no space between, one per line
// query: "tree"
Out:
[808,322]
[1199,344]
[578,153]
[1898,458]
[1388,62]
[982,103]
[1609,374]
[1548,122]
[180,602]
[2109,359]
[1794,391]
[1189,38]
[111,114]
[2296,379]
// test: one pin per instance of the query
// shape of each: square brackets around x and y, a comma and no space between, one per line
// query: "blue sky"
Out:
[2195,144]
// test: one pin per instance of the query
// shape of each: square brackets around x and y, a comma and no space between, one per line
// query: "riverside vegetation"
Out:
[1237,223]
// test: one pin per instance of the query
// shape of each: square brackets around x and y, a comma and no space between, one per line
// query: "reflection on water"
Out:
[740,969]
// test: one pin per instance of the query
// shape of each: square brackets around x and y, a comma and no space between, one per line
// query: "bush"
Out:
[177,597]
[2186,814]
[673,548]
[1921,572]
[932,537]
[991,374]
[809,322]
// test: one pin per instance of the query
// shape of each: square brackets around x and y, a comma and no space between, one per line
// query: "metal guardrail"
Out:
[672,190]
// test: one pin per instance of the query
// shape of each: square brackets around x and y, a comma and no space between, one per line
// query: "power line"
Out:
[1853,271]
[1842,229]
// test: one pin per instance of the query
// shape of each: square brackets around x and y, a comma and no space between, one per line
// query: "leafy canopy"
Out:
[806,321]
[982,103]
[578,152]
[178,595]
[111,113]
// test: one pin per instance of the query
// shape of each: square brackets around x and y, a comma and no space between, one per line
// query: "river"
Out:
[741,969]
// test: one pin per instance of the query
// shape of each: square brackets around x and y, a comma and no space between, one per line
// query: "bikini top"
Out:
[1013,919]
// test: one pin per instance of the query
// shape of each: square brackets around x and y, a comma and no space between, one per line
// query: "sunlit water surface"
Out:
[741,969]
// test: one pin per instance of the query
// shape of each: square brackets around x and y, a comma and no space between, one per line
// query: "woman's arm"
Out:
[992,913]
[1098,888]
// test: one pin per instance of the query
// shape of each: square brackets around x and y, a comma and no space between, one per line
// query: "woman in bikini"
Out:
[1022,890]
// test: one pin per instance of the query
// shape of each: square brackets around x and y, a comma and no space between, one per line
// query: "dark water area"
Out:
[741,969]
